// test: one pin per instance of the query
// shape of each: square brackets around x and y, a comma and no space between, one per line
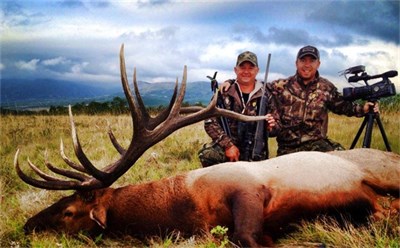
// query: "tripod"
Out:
[368,122]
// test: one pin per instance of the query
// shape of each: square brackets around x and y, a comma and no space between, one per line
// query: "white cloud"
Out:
[78,68]
[161,37]
[2,67]
[55,61]
[29,66]
[377,57]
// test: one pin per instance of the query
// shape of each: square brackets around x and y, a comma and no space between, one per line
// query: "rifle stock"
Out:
[261,134]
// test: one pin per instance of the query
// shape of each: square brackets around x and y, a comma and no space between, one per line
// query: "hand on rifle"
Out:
[232,153]
[271,122]
[369,105]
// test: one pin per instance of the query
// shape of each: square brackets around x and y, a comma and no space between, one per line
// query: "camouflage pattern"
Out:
[233,101]
[211,154]
[322,145]
[247,56]
[303,112]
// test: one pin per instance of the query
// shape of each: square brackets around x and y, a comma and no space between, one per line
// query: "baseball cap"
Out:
[308,50]
[247,56]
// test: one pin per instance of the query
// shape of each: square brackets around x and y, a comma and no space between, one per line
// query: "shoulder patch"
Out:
[280,84]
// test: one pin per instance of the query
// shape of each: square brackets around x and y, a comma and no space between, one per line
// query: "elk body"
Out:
[255,200]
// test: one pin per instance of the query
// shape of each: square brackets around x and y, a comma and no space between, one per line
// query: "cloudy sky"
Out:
[80,40]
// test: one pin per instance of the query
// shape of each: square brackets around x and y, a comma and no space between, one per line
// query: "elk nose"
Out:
[29,227]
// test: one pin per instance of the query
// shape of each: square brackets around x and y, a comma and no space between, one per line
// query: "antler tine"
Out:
[135,108]
[67,173]
[211,111]
[68,161]
[115,142]
[63,172]
[152,122]
[56,184]
[197,114]
[139,100]
[96,173]
[41,173]
[164,113]
[178,102]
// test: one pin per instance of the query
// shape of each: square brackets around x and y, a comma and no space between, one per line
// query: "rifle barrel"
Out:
[261,135]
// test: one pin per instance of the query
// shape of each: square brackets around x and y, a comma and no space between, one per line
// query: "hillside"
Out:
[30,94]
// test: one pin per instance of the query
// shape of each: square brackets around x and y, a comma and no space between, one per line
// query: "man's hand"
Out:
[271,122]
[232,153]
[368,105]
[225,86]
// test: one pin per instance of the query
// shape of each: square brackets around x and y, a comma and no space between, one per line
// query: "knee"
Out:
[211,154]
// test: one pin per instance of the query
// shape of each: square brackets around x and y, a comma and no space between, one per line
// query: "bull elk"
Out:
[255,200]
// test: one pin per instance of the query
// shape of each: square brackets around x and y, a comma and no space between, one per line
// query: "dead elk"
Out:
[254,200]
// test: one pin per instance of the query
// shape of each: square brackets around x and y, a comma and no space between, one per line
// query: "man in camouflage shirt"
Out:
[243,96]
[304,101]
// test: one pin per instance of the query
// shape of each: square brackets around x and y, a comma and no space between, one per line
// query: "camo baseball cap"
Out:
[247,56]
[308,50]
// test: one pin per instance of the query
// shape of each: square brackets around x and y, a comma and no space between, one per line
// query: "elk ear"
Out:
[99,215]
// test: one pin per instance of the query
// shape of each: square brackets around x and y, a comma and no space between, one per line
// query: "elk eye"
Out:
[68,213]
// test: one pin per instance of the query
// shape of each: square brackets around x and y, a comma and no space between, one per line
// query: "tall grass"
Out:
[344,129]
[34,135]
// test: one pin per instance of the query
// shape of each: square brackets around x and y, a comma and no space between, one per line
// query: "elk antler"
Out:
[148,130]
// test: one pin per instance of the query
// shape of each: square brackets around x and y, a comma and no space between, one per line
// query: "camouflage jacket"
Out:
[303,110]
[233,101]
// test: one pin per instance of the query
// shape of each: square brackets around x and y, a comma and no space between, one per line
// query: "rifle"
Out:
[261,135]
[220,104]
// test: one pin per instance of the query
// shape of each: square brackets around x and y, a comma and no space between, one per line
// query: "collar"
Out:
[258,85]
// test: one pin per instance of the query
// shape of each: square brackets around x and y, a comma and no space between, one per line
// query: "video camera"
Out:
[372,92]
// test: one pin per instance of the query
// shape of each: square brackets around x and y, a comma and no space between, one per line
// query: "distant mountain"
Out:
[42,93]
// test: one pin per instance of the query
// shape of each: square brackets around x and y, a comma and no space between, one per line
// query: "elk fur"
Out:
[255,200]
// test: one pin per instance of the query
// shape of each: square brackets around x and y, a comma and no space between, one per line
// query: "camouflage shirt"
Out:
[233,100]
[303,109]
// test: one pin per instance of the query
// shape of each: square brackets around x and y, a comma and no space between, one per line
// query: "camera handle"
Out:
[369,122]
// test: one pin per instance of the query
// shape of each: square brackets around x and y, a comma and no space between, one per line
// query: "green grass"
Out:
[33,135]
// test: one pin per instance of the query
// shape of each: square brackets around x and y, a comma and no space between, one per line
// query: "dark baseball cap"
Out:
[247,56]
[308,50]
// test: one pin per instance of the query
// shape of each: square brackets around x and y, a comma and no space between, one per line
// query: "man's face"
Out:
[246,73]
[307,67]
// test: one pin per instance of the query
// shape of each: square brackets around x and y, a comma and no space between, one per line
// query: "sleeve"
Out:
[339,105]
[273,110]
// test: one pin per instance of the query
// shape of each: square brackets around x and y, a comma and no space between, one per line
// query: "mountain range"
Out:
[43,93]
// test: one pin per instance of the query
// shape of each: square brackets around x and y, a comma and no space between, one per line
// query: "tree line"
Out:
[120,106]
[115,107]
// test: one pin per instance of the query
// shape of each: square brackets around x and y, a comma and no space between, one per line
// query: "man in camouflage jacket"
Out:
[304,101]
[243,96]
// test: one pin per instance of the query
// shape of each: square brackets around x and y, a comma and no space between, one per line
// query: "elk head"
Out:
[86,177]
[83,211]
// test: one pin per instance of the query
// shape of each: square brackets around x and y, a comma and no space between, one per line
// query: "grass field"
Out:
[34,135]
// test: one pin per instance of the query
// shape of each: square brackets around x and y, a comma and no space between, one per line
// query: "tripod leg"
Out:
[368,131]
[378,120]
[359,133]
